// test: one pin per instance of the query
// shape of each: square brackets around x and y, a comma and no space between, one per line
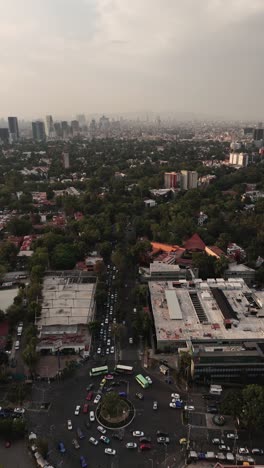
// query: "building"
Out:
[149,203]
[68,305]
[13,128]
[81,119]
[4,135]
[162,270]
[189,180]
[239,270]
[66,160]
[215,312]
[172,180]
[258,134]
[50,131]
[38,131]
[75,127]
[65,129]
[58,129]
[238,159]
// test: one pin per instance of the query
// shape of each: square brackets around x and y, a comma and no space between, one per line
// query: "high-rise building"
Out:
[49,126]
[81,119]
[65,160]
[184,180]
[65,129]
[172,180]
[38,130]
[13,128]
[258,134]
[189,180]
[75,127]
[4,135]
[238,159]
[58,129]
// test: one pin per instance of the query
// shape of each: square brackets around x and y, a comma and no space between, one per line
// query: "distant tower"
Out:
[38,130]
[13,128]
[49,126]
[65,160]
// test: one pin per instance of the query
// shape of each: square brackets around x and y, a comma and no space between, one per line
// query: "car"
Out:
[101,429]
[176,396]
[130,340]
[75,443]
[80,434]
[108,342]
[118,435]
[212,410]
[110,451]
[17,345]
[85,408]
[99,351]
[19,410]
[155,405]
[83,462]
[232,436]
[107,350]
[224,447]
[89,396]
[97,399]
[138,434]
[105,439]
[122,394]
[145,439]
[183,441]
[92,416]
[93,441]
[77,410]
[69,425]
[87,424]
[243,451]
[145,446]
[217,441]
[162,434]
[139,396]
[163,440]
[148,379]
[112,349]
[189,408]
[61,447]
[257,451]
[172,405]
[131,445]
[109,377]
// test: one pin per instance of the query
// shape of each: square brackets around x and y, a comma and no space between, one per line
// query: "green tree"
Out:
[64,257]
[30,355]
[232,403]
[19,226]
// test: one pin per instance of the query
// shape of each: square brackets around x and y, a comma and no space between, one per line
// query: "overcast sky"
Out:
[71,56]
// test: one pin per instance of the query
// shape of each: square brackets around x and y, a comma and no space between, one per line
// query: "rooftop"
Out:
[194,243]
[186,310]
[67,300]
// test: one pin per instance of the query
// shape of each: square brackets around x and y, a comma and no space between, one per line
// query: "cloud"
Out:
[65,56]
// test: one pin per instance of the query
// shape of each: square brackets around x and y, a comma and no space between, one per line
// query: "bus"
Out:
[98,371]
[142,381]
[123,369]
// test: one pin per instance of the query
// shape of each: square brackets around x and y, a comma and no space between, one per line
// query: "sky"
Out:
[64,57]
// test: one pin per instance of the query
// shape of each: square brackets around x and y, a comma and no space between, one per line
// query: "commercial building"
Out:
[68,305]
[238,159]
[4,135]
[38,131]
[50,126]
[258,134]
[13,128]
[212,312]
[239,270]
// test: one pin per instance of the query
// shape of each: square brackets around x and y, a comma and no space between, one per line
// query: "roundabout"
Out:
[115,412]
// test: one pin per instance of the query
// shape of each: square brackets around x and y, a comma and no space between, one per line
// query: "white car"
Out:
[172,405]
[93,441]
[148,379]
[97,399]
[155,405]
[176,396]
[131,445]
[99,351]
[130,340]
[112,350]
[69,425]
[77,410]
[232,436]
[110,451]
[19,410]
[243,451]
[92,416]
[101,429]
[189,408]
[138,434]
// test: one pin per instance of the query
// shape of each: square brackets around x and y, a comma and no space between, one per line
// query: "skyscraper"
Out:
[49,126]
[4,135]
[13,128]
[38,130]
[75,127]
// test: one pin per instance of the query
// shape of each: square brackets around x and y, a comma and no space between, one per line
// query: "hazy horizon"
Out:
[202,57]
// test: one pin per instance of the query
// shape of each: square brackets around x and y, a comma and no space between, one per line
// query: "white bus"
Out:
[123,369]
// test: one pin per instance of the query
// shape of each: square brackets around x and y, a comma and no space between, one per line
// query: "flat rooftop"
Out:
[186,311]
[67,300]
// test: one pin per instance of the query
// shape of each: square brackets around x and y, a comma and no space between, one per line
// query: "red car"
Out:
[109,377]
[85,408]
[145,446]
[89,396]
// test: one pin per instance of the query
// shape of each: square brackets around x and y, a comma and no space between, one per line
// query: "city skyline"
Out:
[108,56]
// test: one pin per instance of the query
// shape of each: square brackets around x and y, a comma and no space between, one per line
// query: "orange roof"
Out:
[195,243]
[164,247]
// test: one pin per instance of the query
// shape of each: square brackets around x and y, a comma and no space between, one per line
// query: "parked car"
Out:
[101,429]
[110,451]
[61,447]
[83,462]
[93,441]
[75,443]
[131,445]
[105,439]
[89,396]
[97,399]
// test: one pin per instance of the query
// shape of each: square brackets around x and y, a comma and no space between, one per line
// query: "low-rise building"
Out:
[239,270]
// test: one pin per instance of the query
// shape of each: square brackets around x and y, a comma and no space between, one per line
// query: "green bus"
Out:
[98,371]
[142,381]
